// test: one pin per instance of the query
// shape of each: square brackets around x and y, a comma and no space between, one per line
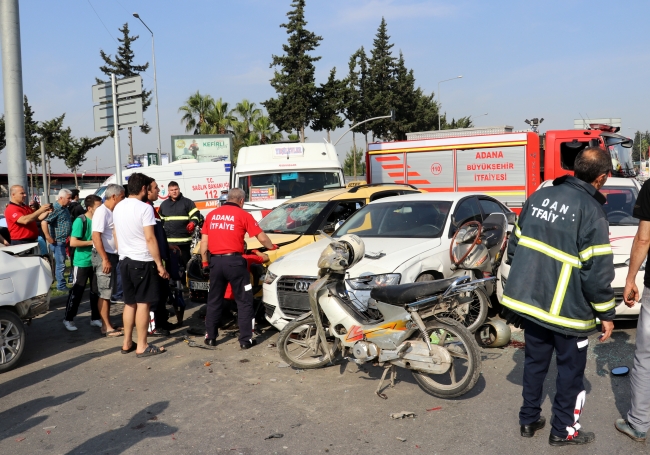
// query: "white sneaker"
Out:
[96,323]
[69,325]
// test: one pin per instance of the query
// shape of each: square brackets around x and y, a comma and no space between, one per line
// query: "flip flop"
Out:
[110,332]
[133,347]
[151,350]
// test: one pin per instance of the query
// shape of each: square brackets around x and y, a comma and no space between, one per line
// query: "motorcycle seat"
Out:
[401,294]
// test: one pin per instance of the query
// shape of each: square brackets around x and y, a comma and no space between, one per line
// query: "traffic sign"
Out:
[131,86]
[129,113]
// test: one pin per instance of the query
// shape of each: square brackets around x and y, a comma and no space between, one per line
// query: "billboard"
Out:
[202,147]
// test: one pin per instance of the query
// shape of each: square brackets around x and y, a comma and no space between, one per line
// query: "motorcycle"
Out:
[477,249]
[440,352]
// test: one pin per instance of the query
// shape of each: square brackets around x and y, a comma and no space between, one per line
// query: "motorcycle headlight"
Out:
[642,268]
[269,277]
[371,281]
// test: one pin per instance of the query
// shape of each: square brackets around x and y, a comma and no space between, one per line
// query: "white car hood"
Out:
[14,270]
[303,262]
[621,238]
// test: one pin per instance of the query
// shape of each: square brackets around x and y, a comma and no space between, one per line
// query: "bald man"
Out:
[21,219]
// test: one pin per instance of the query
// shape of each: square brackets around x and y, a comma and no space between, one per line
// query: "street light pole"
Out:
[452,79]
[155,84]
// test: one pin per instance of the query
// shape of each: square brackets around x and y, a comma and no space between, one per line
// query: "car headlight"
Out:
[371,281]
[642,268]
[269,277]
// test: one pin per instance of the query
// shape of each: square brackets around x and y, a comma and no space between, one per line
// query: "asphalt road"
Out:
[76,393]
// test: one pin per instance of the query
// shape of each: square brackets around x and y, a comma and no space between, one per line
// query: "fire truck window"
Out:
[569,151]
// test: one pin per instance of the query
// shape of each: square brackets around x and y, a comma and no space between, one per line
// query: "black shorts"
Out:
[139,281]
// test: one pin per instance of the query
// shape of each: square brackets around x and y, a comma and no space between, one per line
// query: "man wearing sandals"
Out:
[104,255]
[139,263]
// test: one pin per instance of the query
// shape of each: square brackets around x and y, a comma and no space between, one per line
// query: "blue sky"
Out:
[519,59]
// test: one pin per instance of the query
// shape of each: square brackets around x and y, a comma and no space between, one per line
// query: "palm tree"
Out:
[265,130]
[220,117]
[251,139]
[247,112]
[195,111]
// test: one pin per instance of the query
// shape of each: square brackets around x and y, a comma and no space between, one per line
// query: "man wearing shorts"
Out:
[104,254]
[140,263]
[82,268]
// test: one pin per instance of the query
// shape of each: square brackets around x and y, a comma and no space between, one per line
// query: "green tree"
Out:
[3,139]
[640,147]
[354,164]
[356,94]
[265,131]
[195,111]
[75,152]
[219,119]
[248,112]
[55,138]
[122,66]
[293,79]
[381,78]
[330,99]
[406,99]
[463,122]
[32,140]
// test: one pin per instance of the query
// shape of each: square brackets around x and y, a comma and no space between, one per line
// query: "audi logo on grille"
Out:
[301,286]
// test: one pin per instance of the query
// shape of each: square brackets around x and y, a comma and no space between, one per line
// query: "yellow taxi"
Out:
[297,222]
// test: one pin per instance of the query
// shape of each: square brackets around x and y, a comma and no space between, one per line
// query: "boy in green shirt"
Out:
[82,268]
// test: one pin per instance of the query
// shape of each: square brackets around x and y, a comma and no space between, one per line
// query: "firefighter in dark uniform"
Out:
[559,283]
[179,216]
[223,236]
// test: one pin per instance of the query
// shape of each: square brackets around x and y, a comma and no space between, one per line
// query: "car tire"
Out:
[12,340]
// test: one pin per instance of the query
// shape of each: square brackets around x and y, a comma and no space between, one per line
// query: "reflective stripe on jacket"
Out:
[175,216]
[561,262]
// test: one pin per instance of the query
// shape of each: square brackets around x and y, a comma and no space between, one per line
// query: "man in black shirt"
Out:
[637,423]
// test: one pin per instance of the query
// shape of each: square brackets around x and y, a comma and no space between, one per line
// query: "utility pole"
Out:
[116,134]
[12,84]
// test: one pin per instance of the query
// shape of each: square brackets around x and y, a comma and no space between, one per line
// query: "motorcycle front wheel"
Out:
[472,314]
[299,346]
[466,360]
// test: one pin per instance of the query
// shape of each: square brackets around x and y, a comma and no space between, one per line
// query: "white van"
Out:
[273,173]
[200,182]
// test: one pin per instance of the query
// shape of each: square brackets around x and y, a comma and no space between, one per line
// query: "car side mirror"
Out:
[511,217]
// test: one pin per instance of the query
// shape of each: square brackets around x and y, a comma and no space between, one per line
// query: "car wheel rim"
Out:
[9,341]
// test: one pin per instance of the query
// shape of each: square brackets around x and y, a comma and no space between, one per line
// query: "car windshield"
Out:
[286,185]
[417,219]
[622,165]
[292,218]
[620,202]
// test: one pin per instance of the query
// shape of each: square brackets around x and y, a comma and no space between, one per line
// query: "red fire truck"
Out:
[503,163]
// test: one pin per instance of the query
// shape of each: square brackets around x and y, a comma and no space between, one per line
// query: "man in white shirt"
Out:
[139,263]
[104,255]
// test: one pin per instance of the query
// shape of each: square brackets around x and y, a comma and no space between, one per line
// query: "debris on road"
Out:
[244,361]
[20,439]
[49,428]
[437,408]
[402,415]
[282,365]
[271,345]
[296,425]
[207,364]
[274,436]
[400,439]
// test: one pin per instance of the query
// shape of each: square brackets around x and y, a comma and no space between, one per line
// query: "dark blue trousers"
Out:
[233,270]
[571,358]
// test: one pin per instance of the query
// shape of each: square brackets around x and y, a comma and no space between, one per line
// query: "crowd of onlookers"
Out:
[119,247]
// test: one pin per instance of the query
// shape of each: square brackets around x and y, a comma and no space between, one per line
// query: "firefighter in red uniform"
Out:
[223,236]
